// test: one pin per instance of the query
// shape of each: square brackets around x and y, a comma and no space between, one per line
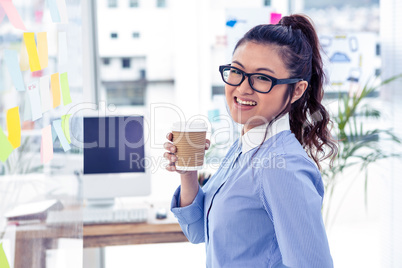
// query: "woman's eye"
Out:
[234,71]
[263,78]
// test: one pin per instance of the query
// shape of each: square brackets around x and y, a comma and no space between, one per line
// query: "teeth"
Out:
[252,103]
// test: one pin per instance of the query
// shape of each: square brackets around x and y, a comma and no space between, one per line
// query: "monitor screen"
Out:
[113,144]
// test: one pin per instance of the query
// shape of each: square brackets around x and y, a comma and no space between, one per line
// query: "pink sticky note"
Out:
[46,147]
[275,18]
[12,14]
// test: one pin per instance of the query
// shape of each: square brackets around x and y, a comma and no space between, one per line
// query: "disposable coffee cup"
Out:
[189,139]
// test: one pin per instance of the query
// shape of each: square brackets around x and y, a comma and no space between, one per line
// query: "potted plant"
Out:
[358,147]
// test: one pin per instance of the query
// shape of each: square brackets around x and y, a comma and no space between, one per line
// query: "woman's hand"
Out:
[170,154]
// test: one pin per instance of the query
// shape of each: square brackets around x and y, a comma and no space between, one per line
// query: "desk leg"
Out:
[30,253]
[94,258]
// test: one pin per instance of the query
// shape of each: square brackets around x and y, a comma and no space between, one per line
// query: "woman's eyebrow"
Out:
[259,69]
[265,69]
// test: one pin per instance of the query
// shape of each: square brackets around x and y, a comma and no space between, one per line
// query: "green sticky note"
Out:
[5,148]
[65,125]
[3,258]
[65,89]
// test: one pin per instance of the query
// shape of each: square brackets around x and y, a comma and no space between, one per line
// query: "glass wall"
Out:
[40,81]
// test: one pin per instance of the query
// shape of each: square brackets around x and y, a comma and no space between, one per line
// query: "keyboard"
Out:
[102,216]
[98,216]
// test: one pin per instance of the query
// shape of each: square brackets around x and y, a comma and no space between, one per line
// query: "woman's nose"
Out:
[245,88]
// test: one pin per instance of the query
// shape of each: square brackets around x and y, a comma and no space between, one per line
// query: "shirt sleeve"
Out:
[191,217]
[290,191]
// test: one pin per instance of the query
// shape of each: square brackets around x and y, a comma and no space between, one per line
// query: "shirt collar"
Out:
[255,136]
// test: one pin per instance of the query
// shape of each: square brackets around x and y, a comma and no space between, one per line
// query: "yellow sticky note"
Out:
[65,125]
[3,258]
[55,85]
[14,127]
[29,39]
[42,49]
[24,63]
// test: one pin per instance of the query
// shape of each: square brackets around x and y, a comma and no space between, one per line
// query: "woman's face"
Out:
[256,58]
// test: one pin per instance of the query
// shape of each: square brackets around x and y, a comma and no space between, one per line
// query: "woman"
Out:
[262,208]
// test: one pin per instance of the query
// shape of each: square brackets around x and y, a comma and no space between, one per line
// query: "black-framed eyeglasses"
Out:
[259,82]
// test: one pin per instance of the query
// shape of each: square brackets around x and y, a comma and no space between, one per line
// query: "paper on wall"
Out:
[65,89]
[65,125]
[12,14]
[43,49]
[11,60]
[27,109]
[60,135]
[14,127]
[46,101]
[55,85]
[29,39]
[46,147]
[5,148]
[54,10]
[275,18]
[61,4]
[3,258]
[24,60]
[34,99]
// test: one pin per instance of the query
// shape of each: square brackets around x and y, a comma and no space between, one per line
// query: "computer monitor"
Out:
[114,159]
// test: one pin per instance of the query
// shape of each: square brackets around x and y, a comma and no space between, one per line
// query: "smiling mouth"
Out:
[245,103]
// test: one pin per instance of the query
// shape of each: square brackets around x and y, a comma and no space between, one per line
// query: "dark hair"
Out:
[299,49]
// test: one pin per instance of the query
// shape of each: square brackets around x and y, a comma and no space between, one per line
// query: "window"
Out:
[114,35]
[161,3]
[112,3]
[125,92]
[143,74]
[377,49]
[106,61]
[267,3]
[136,35]
[218,90]
[126,63]
[134,3]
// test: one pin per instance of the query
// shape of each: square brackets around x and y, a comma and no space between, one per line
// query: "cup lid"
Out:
[194,126]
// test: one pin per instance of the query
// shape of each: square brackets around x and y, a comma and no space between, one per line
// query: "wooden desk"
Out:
[32,241]
[131,234]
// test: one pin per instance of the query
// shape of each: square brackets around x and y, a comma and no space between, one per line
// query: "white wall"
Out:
[391,41]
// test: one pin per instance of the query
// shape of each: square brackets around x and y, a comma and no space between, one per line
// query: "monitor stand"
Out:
[97,203]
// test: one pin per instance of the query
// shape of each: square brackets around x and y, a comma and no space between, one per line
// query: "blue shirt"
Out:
[260,211]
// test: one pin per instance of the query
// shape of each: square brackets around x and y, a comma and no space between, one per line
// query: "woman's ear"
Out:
[299,90]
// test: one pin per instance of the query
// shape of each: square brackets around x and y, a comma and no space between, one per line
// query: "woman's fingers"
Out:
[170,156]
[170,147]
[171,166]
[207,144]
[169,136]
[172,159]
